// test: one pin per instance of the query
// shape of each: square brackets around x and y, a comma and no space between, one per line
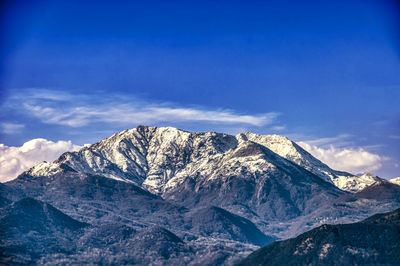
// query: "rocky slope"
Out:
[374,241]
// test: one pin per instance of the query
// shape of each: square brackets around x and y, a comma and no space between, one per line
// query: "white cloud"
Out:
[15,160]
[353,160]
[11,128]
[81,110]
[130,115]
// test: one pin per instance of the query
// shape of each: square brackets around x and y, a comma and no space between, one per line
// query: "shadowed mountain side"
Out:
[370,242]
[29,228]
[9,195]
[99,200]
[381,191]
[122,244]
[4,198]
[33,232]
[380,197]
[216,222]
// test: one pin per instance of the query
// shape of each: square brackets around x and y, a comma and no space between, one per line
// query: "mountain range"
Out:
[168,196]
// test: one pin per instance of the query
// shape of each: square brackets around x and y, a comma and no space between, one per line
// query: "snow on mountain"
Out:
[293,152]
[356,183]
[120,157]
[199,169]
[155,158]
[158,159]
[395,180]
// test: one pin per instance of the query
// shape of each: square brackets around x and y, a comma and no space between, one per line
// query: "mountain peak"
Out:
[158,158]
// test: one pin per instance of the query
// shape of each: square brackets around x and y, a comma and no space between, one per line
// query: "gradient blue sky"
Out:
[323,72]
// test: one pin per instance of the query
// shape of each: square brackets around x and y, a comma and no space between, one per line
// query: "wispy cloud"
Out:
[278,128]
[81,110]
[15,160]
[394,136]
[41,94]
[11,128]
[341,140]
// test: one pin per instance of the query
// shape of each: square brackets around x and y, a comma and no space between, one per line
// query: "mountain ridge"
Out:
[134,156]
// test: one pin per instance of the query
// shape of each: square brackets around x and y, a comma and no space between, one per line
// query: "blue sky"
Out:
[323,72]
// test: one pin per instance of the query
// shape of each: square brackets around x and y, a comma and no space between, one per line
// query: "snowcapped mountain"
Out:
[159,158]
[198,169]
